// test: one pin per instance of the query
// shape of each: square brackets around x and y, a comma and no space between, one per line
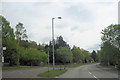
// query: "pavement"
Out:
[84,71]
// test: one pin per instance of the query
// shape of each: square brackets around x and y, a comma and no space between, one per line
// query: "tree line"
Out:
[109,54]
[21,51]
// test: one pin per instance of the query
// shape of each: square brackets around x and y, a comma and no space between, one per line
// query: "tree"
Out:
[60,43]
[109,54]
[20,33]
[33,44]
[8,39]
[7,31]
[81,55]
[94,56]
[64,55]
[76,54]
[25,43]
[32,56]
[10,54]
[86,56]
[98,55]
[110,47]
[42,47]
[112,34]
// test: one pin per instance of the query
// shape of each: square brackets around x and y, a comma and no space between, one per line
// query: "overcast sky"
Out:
[81,24]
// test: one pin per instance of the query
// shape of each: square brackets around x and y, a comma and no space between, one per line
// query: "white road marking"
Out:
[90,72]
[93,75]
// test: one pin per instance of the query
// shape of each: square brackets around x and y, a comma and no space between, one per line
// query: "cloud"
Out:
[59,0]
[79,12]
[94,47]
[80,25]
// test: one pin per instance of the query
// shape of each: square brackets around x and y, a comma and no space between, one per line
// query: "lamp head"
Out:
[59,17]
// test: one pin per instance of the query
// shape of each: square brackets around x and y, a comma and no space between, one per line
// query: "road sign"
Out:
[4,48]
[2,59]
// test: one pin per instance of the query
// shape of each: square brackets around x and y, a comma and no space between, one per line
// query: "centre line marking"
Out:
[90,72]
[56,77]
[93,75]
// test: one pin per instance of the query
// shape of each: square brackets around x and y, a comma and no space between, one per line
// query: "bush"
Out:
[32,56]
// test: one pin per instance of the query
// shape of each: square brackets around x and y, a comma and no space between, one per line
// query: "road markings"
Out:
[56,77]
[93,75]
[90,72]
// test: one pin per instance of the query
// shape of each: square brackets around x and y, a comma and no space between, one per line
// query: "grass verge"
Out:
[18,67]
[57,66]
[52,73]
[110,67]
[68,65]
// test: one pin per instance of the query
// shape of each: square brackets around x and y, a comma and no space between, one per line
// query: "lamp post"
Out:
[53,39]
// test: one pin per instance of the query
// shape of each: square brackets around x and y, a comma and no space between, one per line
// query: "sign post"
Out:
[4,48]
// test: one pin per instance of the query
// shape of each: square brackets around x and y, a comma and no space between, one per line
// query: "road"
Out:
[85,71]
[90,71]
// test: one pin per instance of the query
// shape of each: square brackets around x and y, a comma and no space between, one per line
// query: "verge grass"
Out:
[52,73]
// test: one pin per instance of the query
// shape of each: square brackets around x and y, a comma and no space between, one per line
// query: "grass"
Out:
[52,73]
[46,65]
[57,66]
[68,65]
[18,67]
[110,67]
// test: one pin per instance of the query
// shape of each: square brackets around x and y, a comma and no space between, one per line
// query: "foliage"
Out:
[12,51]
[7,31]
[112,34]
[8,39]
[59,42]
[42,47]
[110,47]
[86,58]
[94,56]
[76,54]
[109,54]
[64,55]
[20,32]
[81,55]
[18,48]
[32,56]
[24,52]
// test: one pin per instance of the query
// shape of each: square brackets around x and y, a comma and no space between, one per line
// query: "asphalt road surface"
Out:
[90,71]
[23,73]
[85,71]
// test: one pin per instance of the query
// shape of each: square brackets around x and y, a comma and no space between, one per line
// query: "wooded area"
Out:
[110,47]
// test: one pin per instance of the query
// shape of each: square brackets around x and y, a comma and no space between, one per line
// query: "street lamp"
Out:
[53,39]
